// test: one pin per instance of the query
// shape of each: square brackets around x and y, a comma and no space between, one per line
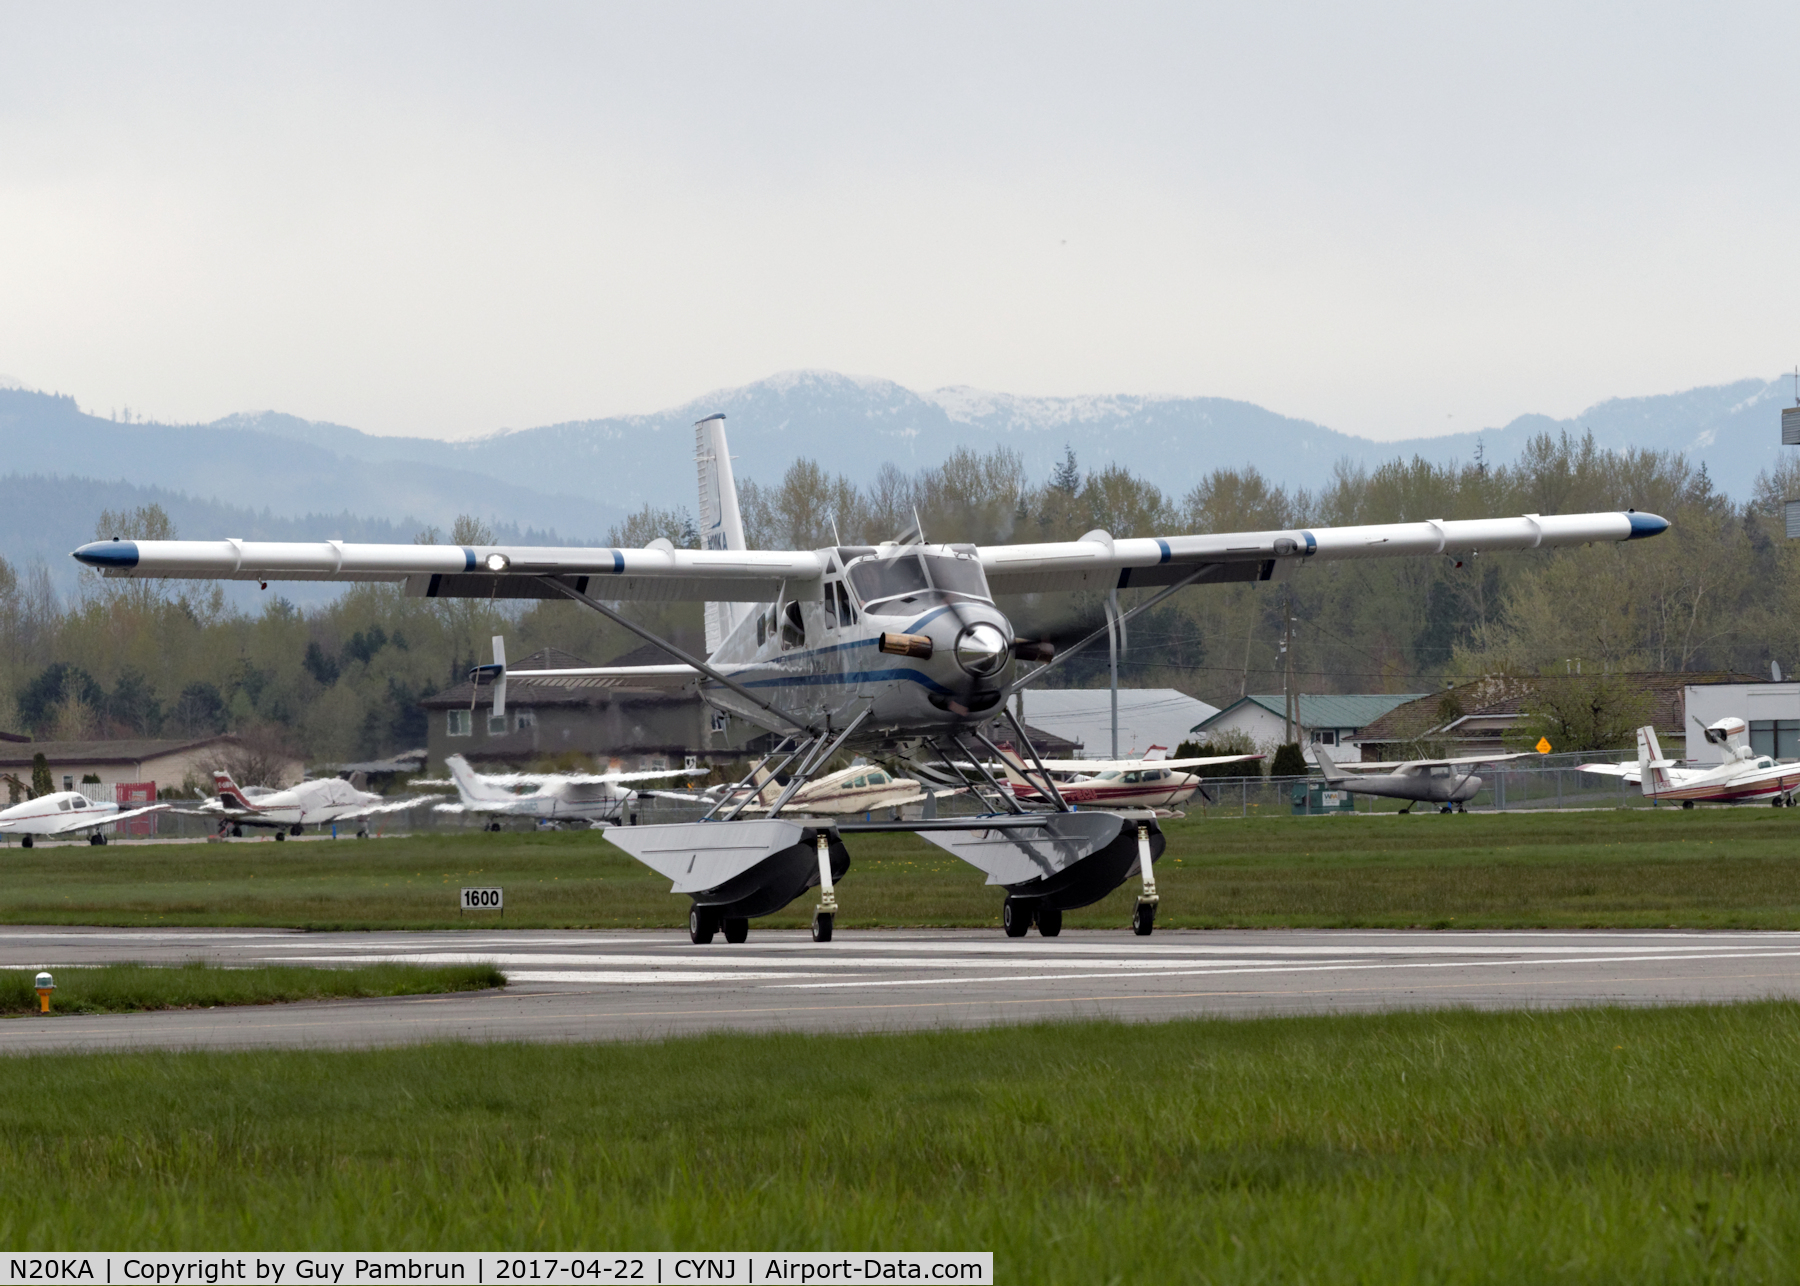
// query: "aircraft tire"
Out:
[96,838]
[295,830]
[1143,919]
[737,928]
[702,924]
[1687,803]
[1049,920]
[25,842]
[1015,918]
[237,832]
[822,923]
[280,835]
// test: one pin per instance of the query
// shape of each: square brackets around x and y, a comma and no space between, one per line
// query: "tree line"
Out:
[341,681]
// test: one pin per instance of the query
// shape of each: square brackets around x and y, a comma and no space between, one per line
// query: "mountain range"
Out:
[279,476]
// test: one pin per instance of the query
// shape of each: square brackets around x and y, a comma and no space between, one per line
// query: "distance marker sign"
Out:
[483,900]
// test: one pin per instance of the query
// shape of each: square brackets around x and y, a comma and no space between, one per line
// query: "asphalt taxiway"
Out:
[623,985]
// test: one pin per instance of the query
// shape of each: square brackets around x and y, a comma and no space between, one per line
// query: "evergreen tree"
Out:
[40,776]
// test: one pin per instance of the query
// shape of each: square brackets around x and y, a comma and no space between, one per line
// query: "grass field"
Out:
[1589,1145]
[1707,868]
[121,988]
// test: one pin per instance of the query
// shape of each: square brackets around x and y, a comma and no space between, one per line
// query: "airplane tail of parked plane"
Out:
[229,792]
[1653,769]
[721,524]
[1328,770]
[470,786]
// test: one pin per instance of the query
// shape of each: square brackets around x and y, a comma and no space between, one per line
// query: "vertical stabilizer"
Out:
[470,785]
[1327,769]
[1653,775]
[721,525]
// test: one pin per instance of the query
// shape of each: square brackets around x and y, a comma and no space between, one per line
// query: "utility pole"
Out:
[1287,669]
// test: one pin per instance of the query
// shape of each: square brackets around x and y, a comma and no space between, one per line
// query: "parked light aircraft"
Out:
[1110,783]
[1744,778]
[861,788]
[561,798]
[1448,783]
[897,649]
[311,803]
[66,812]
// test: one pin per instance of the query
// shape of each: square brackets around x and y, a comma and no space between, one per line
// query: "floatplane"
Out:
[898,650]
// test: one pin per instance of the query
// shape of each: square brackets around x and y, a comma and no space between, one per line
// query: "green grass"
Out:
[1587,1145]
[1708,868]
[121,988]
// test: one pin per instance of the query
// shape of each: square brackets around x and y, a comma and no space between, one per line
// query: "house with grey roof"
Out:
[1332,721]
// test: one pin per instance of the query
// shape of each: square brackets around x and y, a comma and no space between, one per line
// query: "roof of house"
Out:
[1502,696]
[1323,710]
[127,750]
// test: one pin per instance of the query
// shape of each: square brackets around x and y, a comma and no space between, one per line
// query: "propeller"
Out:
[496,672]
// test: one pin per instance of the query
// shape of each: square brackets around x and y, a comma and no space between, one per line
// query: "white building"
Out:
[1147,717]
[1771,709]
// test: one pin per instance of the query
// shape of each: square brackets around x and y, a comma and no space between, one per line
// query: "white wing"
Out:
[661,573]
[1397,765]
[1132,765]
[1627,771]
[674,677]
[1099,562]
[485,571]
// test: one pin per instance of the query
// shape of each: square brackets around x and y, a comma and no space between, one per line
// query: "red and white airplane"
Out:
[66,812]
[1744,778]
[311,803]
[1110,783]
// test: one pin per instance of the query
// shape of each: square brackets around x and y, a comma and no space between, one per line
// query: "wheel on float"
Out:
[822,924]
[737,928]
[702,924]
[1015,917]
[1049,920]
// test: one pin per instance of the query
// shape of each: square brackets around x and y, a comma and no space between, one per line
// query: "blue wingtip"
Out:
[1644,526]
[108,553]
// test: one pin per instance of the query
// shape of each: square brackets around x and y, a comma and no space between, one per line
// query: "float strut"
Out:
[1148,894]
[827,894]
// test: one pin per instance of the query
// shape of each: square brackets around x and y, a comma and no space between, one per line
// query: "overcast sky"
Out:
[443,219]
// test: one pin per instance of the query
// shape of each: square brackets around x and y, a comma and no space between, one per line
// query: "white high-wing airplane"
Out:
[897,649]
[1448,783]
[311,803]
[1110,783]
[66,812]
[561,798]
[1744,778]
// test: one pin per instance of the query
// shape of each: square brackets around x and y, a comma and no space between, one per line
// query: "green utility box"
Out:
[1313,797]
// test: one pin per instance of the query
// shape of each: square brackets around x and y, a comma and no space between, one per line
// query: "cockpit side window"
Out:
[63,804]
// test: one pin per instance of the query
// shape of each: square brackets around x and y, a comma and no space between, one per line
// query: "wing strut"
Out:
[827,746]
[1049,782]
[1121,618]
[681,656]
[1006,796]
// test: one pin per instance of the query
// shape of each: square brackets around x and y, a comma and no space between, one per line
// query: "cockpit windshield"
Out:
[906,583]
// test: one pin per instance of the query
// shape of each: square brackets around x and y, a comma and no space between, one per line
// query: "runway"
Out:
[623,985]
